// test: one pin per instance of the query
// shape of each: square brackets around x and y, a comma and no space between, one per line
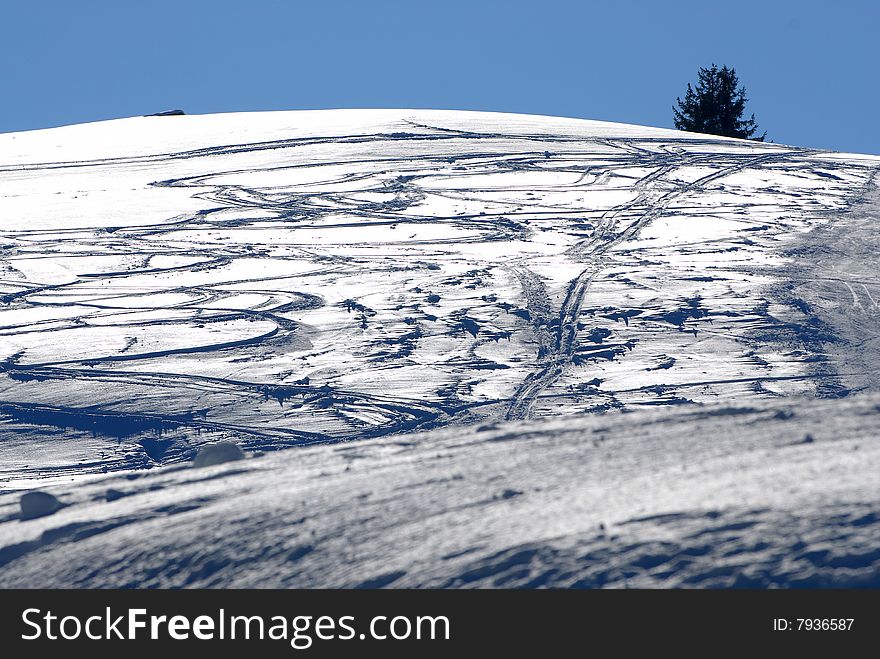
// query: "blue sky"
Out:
[811,68]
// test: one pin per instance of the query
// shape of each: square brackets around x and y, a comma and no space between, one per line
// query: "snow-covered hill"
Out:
[297,278]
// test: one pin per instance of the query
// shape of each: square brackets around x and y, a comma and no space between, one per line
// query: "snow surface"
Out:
[288,279]
[778,493]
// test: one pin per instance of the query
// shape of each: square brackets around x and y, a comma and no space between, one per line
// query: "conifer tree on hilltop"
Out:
[716,106]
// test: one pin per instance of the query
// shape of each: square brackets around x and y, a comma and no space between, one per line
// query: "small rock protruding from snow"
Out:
[38,504]
[215,454]
[167,113]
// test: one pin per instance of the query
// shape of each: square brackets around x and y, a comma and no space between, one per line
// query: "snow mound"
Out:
[215,454]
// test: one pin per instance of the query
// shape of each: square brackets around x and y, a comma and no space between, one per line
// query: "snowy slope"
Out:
[503,350]
[288,278]
[777,493]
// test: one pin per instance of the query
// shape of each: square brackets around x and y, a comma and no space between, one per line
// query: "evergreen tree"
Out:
[716,106]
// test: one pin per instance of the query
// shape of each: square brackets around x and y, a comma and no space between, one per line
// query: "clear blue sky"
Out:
[811,67]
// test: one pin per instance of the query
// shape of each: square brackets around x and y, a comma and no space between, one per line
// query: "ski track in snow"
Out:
[354,274]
